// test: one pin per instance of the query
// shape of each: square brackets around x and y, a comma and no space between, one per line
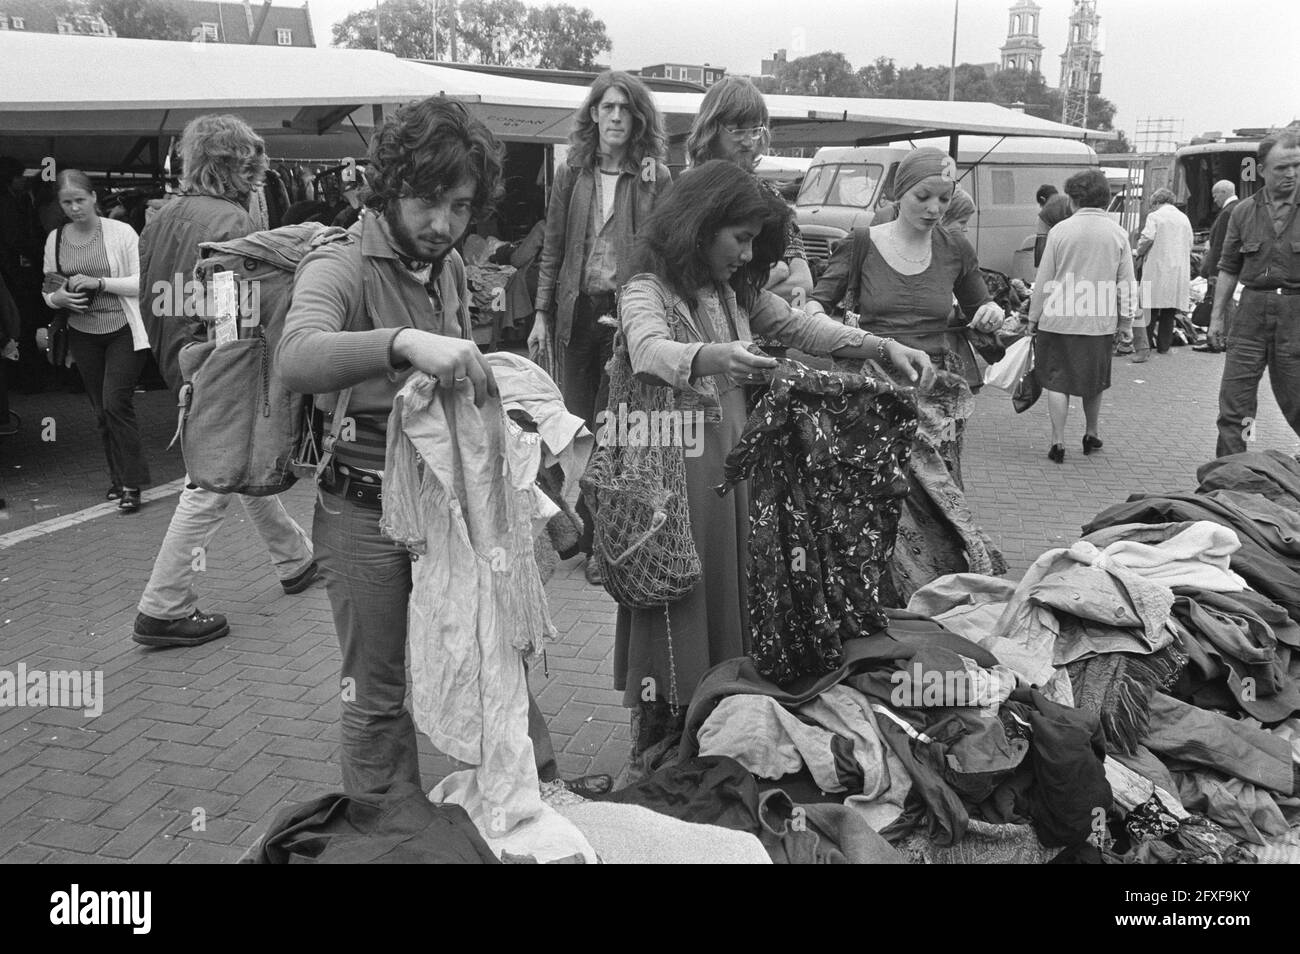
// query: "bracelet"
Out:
[881,355]
[101,284]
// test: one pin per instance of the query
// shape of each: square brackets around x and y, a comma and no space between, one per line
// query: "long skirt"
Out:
[712,623]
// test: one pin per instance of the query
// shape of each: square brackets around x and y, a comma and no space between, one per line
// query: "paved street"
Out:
[197,749]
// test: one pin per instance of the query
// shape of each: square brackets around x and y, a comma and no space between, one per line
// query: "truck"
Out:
[846,186]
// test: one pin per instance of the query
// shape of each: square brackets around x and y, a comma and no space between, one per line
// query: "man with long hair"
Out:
[223,163]
[612,179]
[732,124]
[433,170]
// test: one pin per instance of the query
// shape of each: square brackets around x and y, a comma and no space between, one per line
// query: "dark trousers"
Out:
[1264,332]
[368,582]
[1161,330]
[109,368]
[585,384]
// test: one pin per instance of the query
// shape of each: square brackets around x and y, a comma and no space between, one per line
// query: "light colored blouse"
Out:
[123,248]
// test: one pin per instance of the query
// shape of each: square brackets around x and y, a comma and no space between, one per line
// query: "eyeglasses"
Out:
[752,133]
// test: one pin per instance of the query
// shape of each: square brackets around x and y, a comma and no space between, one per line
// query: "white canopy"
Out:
[99,102]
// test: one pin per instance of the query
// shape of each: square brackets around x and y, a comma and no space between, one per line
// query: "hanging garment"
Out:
[937,532]
[461,495]
[826,453]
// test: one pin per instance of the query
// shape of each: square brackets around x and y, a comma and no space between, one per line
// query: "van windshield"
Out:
[846,184]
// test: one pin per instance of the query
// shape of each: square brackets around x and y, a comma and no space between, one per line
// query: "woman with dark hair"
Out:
[1052,209]
[92,269]
[689,314]
[732,125]
[1083,292]
[608,186]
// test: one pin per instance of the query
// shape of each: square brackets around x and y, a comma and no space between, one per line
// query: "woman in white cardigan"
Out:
[92,271]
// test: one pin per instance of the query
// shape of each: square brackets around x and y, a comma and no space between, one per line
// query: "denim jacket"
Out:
[664,336]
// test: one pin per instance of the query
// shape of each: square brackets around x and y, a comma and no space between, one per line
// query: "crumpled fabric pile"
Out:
[1133,699]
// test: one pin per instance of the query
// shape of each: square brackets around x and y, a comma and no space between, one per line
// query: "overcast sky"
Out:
[1198,62]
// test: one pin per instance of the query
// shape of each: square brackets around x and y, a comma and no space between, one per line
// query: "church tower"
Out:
[1023,51]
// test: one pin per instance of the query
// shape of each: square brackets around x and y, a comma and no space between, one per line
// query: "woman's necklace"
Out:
[86,238]
[898,250]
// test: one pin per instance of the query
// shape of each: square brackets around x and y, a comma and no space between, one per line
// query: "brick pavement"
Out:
[231,731]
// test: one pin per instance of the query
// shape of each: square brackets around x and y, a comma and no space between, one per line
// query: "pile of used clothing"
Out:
[1132,699]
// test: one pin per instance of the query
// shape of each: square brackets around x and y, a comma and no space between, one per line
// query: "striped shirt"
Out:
[105,314]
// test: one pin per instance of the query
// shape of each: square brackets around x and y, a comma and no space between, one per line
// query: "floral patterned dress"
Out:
[826,456]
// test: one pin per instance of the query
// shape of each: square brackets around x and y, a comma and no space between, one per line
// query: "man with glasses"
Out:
[612,179]
[732,125]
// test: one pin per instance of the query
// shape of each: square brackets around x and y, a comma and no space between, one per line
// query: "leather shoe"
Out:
[592,571]
[1057,453]
[193,630]
[306,578]
[1091,442]
[130,502]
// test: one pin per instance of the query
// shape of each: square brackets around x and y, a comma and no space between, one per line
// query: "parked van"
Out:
[845,186]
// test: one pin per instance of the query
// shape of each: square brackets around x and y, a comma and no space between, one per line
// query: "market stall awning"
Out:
[116,101]
[90,100]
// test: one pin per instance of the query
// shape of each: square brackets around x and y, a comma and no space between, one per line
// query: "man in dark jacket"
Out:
[608,186]
[224,161]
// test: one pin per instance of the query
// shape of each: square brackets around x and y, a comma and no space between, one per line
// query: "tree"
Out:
[144,19]
[820,74]
[1119,145]
[566,38]
[494,32]
[406,27]
[499,32]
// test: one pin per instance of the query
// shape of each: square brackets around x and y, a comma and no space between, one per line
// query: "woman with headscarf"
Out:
[910,271]
[1083,294]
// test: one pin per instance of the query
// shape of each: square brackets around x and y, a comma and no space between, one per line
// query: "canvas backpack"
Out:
[241,430]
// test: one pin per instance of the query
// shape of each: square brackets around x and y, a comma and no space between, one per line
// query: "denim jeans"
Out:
[1185,733]
[171,592]
[109,368]
[1264,332]
[368,582]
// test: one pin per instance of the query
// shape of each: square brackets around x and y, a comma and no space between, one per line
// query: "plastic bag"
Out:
[1006,374]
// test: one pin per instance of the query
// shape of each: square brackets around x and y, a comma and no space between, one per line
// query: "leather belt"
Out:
[363,487]
[1274,291]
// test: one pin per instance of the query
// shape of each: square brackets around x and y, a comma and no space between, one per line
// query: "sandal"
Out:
[130,502]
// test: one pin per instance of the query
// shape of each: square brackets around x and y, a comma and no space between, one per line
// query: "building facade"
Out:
[704,75]
[213,22]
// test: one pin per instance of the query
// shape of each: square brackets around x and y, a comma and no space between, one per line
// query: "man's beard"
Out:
[406,244]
